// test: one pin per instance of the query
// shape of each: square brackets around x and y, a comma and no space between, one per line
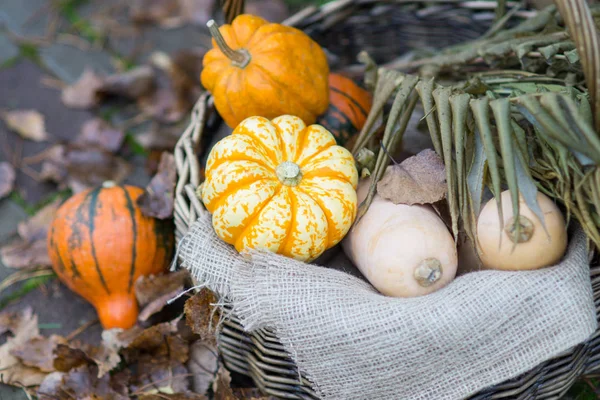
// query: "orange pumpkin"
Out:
[257,68]
[349,106]
[100,243]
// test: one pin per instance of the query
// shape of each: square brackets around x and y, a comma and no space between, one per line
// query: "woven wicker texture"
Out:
[261,354]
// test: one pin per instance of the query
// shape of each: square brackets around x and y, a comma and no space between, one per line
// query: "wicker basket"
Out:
[260,355]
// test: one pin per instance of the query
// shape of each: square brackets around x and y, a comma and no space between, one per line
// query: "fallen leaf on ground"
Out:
[83,94]
[197,12]
[163,12]
[272,10]
[420,179]
[203,364]
[30,124]
[82,167]
[157,199]
[201,316]
[149,288]
[24,328]
[7,179]
[30,250]
[131,84]
[153,292]
[159,137]
[38,352]
[222,386]
[80,383]
[189,61]
[172,396]
[68,357]
[98,132]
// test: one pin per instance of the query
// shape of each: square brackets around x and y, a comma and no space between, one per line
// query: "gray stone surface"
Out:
[10,216]
[68,62]
[22,89]
[7,49]
[27,17]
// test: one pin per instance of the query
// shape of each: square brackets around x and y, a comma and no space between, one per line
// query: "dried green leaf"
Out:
[425,90]
[444,113]
[480,109]
[460,106]
[476,176]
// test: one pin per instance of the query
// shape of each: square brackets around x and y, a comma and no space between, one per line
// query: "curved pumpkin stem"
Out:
[240,57]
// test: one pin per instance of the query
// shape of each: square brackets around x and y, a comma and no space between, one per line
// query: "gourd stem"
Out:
[519,230]
[428,272]
[240,58]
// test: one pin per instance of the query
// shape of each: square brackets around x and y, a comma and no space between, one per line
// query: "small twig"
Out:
[81,329]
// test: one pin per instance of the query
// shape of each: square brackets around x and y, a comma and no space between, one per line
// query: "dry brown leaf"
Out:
[420,179]
[197,12]
[13,372]
[38,352]
[83,94]
[158,138]
[271,10]
[222,386]
[30,124]
[164,12]
[131,84]
[157,199]
[149,288]
[81,383]
[203,364]
[7,179]
[82,167]
[98,133]
[172,396]
[68,357]
[30,251]
[158,304]
[201,316]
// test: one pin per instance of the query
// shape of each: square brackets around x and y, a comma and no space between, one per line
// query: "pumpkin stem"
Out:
[239,58]
[428,272]
[289,173]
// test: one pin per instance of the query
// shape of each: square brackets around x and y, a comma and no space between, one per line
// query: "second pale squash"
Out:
[281,186]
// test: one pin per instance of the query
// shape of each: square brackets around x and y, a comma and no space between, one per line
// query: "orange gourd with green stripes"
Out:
[100,243]
[349,106]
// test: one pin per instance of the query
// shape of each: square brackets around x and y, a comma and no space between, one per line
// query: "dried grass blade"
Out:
[582,29]
[387,82]
[425,90]
[383,160]
[480,109]
[542,120]
[501,110]
[460,106]
[444,113]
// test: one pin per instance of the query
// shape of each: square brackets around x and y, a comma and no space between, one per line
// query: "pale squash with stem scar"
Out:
[280,186]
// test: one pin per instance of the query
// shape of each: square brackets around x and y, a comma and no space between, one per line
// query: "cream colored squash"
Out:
[534,248]
[403,251]
[281,186]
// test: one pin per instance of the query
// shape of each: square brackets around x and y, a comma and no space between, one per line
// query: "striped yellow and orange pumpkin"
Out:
[280,186]
[349,106]
[100,243]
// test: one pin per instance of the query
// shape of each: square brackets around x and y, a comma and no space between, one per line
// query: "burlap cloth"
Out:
[353,343]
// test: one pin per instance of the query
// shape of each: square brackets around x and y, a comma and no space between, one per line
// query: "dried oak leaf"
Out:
[153,292]
[98,133]
[24,326]
[201,315]
[83,94]
[30,124]
[420,179]
[81,383]
[149,288]
[157,199]
[131,84]
[7,179]
[30,250]
[222,386]
[82,167]
[38,352]
[203,365]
